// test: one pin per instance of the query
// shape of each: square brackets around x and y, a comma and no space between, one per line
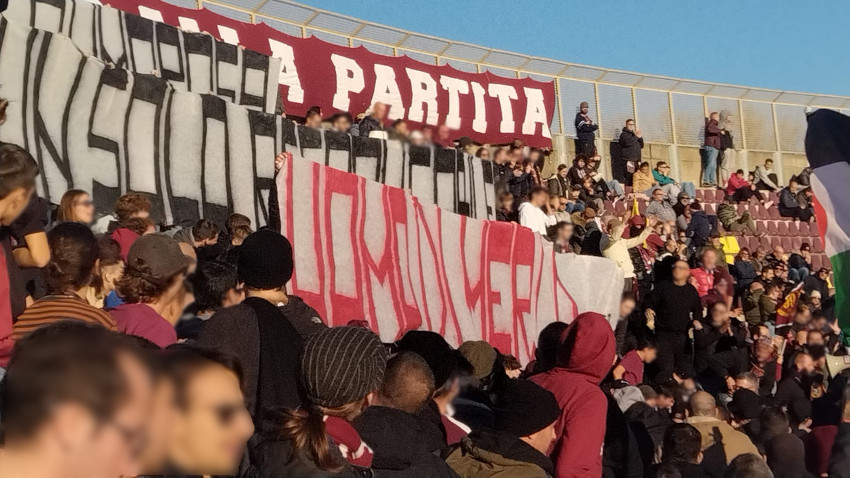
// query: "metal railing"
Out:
[670,111]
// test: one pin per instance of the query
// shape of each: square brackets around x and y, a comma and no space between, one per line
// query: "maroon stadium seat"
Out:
[786,244]
[700,196]
[742,208]
[709,209]
[794,228]
[772,230]
[754,243]
[782,229]
[758,212]
[796,242]
[773,197]
[804,229]
[774,241]
[765,243]
[817,261]
[609,206]
[719,195]
[817,245]
[773,213]
[642,207]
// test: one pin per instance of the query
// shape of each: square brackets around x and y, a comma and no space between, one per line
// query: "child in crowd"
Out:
[630,368]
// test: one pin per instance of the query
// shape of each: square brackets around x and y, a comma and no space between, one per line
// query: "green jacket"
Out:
[471,461]
[752,311]
[726,214]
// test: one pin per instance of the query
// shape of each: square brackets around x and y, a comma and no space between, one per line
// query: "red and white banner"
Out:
[365,250]
[483,106]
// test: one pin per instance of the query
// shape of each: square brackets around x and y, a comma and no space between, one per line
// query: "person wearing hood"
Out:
[526,415]
[585,131]
[586,353]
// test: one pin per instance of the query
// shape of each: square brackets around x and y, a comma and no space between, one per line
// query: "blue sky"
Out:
[780,44]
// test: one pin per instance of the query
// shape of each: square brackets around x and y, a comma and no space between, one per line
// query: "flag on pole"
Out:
[635,208]
[828,151]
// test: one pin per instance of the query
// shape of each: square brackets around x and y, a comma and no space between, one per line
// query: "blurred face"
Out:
[584,110]
[563,172]
[443,133]
[801,336]
[715,117]
[580,163]
[630,125]
[542,440]
[484,154]
[823,275]
[768,165]
[314,121]
[565,233]
[806,365]
[90,448]
[210,433]
[671,245]
[650,354]
[84,209]
[709,259]
[681,271]
[658,195]
[764,353]
[507,202]
[793,187]
[719,315]
[402,129]
[815,338]
[768,274]
[746,385]
[16,201]
[626,307]
[745,255]
[379,111]
[341,124]
[664,401]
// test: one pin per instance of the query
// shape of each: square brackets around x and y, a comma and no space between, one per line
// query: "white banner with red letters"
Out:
[486,107]
[365,250]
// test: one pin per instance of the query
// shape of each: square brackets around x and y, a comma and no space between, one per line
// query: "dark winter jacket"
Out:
[744,273]
[585,130]
[699,229]
[369,124]
[712,134]
[734,362]
[709,341]
[304,318]
[497,455]
[630,146]
[520,185]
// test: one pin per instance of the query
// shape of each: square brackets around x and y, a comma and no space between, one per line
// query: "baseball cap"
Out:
[160,253]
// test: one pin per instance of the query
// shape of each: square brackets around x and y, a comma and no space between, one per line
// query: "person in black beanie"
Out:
[263,331]
[525,429]
[341,370]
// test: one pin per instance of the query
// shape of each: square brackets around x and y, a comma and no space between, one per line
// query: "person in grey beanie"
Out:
[341,369]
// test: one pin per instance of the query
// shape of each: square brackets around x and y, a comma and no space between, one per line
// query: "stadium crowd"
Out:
[136,349]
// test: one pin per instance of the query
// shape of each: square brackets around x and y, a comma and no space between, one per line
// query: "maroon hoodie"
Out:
[586,354]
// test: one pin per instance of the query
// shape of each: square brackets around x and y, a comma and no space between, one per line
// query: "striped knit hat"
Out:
[341,365]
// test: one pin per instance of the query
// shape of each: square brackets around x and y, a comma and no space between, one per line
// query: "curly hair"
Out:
[130,204]
[139,225]
[139,285]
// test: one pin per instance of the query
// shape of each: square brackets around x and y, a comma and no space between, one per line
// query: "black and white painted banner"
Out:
[106,130]
[193,62]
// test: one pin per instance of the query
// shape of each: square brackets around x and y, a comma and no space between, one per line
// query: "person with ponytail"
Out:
[341,370]
[72,266]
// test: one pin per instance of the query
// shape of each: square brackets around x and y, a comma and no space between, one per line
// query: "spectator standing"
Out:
[765,178]
[152,281]
[501,170]
[631,143]
[74,254]
[670,309]
[790,207]
[630,368]
[521,182]
[618,247]
[313,118]
[341,123]
[215,285]
[727,147]
[340,369]
[374,121]
[585,355]
[531,213]
[18,171]
[585,132]
[265,336]
[711,150]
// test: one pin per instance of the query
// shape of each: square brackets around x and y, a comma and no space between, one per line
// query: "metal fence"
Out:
[670,111]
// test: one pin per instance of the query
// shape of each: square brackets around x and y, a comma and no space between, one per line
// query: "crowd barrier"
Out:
[189,61]
[364,249]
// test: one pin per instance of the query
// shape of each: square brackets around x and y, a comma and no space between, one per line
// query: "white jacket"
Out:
[534,218]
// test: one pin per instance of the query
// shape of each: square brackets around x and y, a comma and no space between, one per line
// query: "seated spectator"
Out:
[727,215]
[682,450]
[558,209]
[817,282]
[789,207]
[525,430]
[584,357]
[614,187]
[739,190]
[559,184]
[592,194]
[800,264]
[765,178]
[400,439]
[661,175]
[76,206]
[152,281]
[532,214]
[320,439]
[574,203]
[73,257]
[506,212]
[683,200]
[630,368]
[720,442]
[374,121]
[660,208]
[643,181]
[110,269]
[209,424]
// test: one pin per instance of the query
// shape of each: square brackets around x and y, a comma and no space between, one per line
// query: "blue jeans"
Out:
[797,275]
[577,206]
[616,188]
[689,188]
[709,170]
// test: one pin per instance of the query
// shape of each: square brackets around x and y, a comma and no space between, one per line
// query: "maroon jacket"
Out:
[712,134]
[585,356]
